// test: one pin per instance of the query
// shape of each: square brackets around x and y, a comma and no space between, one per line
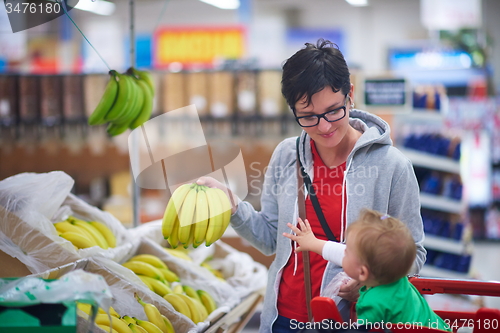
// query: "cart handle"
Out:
[451,286]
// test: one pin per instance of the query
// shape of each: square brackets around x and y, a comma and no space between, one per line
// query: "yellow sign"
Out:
[198,45]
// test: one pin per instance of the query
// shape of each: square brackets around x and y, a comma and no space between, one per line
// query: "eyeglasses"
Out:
[330,116]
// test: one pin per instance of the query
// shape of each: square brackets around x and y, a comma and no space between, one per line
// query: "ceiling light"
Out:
[224,4]
[358,3]
[99,7]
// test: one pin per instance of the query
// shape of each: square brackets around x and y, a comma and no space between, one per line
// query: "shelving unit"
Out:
[442,205]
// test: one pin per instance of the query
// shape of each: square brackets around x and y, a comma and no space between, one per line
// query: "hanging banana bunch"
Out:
[127,101]
[196,214]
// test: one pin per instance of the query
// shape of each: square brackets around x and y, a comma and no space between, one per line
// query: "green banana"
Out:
[108,98]
[146,76]
[123,100]
[147,106]
[137,102]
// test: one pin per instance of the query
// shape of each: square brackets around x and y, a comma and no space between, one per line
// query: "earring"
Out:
[352,105]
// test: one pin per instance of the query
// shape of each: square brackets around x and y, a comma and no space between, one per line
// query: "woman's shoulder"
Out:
[388,155]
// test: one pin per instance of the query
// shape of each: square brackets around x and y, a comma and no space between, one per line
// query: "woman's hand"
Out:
[214,183]
[305,237]
[350,290]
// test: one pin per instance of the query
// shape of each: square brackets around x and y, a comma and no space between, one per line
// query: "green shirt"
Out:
[397,302]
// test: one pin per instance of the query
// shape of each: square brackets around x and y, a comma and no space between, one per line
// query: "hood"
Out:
[375,131]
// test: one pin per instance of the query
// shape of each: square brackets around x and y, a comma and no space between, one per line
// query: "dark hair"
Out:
[313,68]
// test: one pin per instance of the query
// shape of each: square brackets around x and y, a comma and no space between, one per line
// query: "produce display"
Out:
[127,101]
[196,214]
[85,234]
[194,304]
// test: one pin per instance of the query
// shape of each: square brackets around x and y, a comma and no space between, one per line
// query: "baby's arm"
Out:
[305,237]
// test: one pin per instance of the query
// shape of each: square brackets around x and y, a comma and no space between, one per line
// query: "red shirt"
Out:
[328,185]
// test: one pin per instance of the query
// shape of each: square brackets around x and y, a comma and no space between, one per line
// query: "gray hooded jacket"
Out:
[378,176]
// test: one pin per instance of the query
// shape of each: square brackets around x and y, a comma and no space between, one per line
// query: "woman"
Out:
[349,158]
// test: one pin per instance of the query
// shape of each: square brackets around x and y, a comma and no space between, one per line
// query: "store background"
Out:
[272,31]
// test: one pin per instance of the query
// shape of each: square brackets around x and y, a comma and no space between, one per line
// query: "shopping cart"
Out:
[484,320]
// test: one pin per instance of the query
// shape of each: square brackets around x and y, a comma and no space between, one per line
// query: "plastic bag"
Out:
[332,288]
[77,285]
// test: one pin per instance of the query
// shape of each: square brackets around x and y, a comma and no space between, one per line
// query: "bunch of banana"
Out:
[194,304]
[153,272]
[155,318]
[127,101]
[84,234]
[196,214]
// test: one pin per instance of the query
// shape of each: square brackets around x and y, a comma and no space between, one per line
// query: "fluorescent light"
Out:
[224,4]
[99,7]
[358,3]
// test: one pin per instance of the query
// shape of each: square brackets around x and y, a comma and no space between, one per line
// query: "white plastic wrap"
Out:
[30,203]
[123,283]
[332,289]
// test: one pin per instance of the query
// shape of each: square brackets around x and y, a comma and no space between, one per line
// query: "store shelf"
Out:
[445,245]
[432,271]
[425,160]
[440,203]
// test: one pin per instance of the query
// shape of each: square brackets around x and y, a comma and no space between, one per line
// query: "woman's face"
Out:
[326,134]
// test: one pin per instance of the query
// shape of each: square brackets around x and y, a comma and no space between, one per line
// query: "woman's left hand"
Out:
[350,290]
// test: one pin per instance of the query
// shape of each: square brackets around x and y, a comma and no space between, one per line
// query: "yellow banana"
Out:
[178,253]
[78,239]
[106,102]
[106,232]
[98,237]
[148,326]
[201,309]
[113,322]
[146,108]
[193,309]
[202,215]
[187,215]
[178,303]
[140,267]
[138,329]
[226,208]
[177,289]
[168,323]
[106,328]
[169,275]
[146,281]
[111,312]
[129,320]
[173,239]
[152,313]
[207,300]
[66,226]
[173,208]
[215,222]
[123,100]
[191,292]
[157,286]
[150,259]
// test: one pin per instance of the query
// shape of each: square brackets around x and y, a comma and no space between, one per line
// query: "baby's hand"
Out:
[303,236]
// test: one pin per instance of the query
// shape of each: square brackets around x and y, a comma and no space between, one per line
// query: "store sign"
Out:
[385,92]
[450,14]
[198,45]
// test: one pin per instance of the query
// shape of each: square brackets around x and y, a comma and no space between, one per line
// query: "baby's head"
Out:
[382,244]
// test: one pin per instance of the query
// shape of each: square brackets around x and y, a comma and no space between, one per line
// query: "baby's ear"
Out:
[364,273]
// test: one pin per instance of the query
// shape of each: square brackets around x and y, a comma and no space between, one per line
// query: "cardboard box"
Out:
[221,93]
[197,91]
[271,101]
[29,98]
[174,91]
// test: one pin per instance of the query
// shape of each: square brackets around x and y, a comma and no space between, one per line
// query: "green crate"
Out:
[39,318]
